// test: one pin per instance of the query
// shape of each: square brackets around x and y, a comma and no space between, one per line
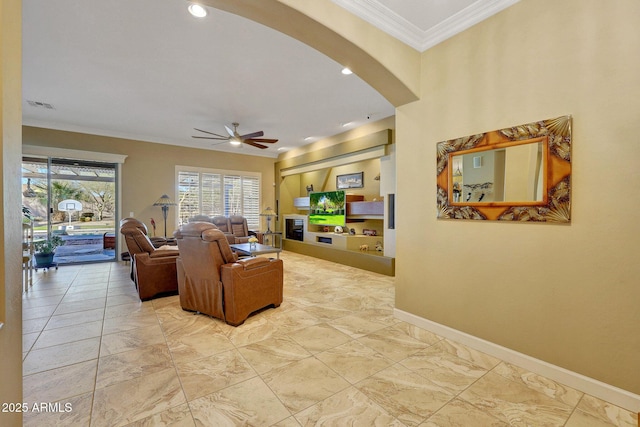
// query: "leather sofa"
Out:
[152,270]
[234,227]
[212,281]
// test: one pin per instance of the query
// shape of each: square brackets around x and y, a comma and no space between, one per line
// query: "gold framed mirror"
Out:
[521,173]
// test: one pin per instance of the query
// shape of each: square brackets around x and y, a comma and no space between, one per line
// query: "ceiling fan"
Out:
[235,138]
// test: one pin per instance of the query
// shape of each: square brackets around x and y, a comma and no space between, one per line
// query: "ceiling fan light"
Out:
[235,141]
[197,10]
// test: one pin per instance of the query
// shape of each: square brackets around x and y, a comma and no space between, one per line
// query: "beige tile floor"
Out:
[332,354]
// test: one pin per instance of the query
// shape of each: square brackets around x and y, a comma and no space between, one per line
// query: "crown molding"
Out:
[396,26]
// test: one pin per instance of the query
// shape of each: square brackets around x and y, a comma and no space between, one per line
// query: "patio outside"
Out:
[86,221]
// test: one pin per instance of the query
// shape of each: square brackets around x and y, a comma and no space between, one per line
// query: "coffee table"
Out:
[257,249]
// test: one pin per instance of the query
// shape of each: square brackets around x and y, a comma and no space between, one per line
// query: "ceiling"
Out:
[148,70]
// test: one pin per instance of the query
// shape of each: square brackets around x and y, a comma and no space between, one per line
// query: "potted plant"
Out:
[45,250]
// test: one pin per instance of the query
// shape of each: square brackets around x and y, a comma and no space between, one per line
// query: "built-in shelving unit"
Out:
[356,209]
[365,210]
[356,250]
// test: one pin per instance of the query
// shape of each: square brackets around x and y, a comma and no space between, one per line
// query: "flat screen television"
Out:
[327,208]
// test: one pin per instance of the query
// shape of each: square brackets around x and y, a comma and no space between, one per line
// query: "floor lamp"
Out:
[164,201]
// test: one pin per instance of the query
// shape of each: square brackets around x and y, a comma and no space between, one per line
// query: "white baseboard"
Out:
[606,392]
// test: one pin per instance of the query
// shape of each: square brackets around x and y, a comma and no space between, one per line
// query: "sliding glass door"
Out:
[75,200]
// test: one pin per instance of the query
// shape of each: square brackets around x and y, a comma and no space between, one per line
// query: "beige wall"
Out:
[10,228]
[568,295]
[149,169]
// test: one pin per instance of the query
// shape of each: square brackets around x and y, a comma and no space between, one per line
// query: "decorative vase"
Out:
[252,246]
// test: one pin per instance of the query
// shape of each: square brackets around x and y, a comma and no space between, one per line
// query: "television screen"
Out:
[327,208]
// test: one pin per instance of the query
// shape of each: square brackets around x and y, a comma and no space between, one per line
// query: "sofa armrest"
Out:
[249,289]
[253,262]
[163,253]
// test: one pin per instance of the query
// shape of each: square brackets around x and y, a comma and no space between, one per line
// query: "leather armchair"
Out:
[223,224]
[212,281]
[156,241]
[152,270]
[239,229]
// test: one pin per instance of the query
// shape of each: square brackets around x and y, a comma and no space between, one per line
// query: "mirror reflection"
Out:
[519,173]
[513,173]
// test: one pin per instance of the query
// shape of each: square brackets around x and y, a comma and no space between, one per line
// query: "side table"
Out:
[272,238]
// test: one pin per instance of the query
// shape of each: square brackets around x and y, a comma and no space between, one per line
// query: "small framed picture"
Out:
[351,180]
[368,232]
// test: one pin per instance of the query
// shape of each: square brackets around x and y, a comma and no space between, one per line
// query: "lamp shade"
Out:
[268,212]
[164,200]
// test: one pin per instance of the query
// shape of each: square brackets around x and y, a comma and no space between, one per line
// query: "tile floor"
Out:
[332,354]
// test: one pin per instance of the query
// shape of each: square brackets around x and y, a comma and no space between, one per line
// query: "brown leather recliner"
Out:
[223,224]
[156,241]
[213,281]
[240,229]
[152,270]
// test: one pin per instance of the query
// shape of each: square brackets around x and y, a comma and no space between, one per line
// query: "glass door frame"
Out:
[90,169]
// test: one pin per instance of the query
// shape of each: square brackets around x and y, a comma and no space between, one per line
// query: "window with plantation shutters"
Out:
[212,193]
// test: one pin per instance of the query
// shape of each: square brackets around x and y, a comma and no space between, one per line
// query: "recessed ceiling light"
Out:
[344,125]
[197,10]
[346,71]
[309,138]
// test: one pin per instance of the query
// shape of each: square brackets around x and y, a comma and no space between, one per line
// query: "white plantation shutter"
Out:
[188,195]
[211,193]
[211,196]
[232,195]
[251,201]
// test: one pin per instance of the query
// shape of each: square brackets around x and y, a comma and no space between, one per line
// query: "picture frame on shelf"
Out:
[350,180]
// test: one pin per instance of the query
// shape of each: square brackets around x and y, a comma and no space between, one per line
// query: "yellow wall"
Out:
[568,295]
[325,179]
[10,228]
[149,169]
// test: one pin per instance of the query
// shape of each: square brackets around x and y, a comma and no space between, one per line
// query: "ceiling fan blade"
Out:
[267,140]
[254,144]
[252,135]
[210,137]
[229,131]
[210,133]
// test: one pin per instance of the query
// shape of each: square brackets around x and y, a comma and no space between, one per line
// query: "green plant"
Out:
[47,246]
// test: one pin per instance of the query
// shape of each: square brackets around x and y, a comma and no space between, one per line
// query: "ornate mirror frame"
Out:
[555,206]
